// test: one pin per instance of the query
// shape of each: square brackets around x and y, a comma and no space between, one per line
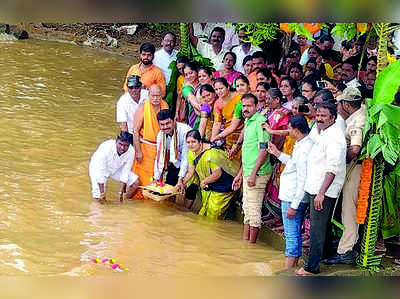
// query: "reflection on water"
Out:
[57,103]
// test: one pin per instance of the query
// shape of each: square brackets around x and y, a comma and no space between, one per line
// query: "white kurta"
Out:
[106,162]
[162,59]
[181,163]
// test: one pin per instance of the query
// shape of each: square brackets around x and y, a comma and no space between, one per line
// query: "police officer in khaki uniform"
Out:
[351,101]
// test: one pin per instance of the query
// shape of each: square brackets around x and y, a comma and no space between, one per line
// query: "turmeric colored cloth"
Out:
[216,196]
[148,145]
[179,83]
[224,114]
[153,75]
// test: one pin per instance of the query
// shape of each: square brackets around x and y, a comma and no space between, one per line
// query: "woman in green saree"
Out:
[211,169]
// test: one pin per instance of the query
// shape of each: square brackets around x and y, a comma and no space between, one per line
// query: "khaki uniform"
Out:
[354,130]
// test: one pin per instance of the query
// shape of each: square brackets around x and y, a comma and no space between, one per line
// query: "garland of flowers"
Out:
[364,190]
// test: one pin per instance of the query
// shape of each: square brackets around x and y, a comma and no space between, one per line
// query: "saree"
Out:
[224,114]
[206,112]
[148,146]
[230,77]
[216,196]
[271,201]
[193,118]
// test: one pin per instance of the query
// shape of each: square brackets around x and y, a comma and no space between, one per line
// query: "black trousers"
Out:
[172,179]
[319,223]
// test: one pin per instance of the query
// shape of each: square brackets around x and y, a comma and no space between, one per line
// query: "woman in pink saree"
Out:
[277,120]
[228,72]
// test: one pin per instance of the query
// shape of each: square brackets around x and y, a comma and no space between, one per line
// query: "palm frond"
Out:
[367,258]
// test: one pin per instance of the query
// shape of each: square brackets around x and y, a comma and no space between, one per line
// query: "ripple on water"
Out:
[57,103]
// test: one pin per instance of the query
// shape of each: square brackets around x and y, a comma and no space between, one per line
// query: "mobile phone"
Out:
[321,84]
[303,108]
[263,145]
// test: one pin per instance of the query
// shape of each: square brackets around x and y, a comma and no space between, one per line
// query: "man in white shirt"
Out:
[113,158]
[212,49]
[171,164]
[242,50]
[129,102]
[291,191]
[351,102]
[203,31]
[164,56]
[349,72]
[326,171]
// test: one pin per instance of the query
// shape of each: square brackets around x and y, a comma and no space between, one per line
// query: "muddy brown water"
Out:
[57,103]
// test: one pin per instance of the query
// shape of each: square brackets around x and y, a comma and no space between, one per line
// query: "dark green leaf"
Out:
[387,83]
[374,146]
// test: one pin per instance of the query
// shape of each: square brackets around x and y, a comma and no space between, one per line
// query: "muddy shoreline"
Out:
[109,37]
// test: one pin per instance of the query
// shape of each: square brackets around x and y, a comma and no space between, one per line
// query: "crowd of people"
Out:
[278,136]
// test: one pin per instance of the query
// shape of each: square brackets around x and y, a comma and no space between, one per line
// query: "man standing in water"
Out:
[326,171]
[256,168]
[148,72]
[129,102]
[113,158]
[145,132]
[171,160]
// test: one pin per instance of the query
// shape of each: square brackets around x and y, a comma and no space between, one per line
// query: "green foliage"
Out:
[385,138]
[387,83]
[187,49]
[346,30]
[382,130]
[259,32]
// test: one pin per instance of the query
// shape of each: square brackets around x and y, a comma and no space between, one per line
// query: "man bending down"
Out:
[113,158]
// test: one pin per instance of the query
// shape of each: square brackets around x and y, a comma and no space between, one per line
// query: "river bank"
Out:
[122,38]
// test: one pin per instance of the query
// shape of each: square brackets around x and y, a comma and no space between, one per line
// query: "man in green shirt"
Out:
[256,168]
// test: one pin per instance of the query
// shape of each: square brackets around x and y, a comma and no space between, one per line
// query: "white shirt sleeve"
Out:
[203,48]
[284,158]
[335,153]
[304,57]
[157,174]
[184,161]
[101,163]
[122,115]
[301,174]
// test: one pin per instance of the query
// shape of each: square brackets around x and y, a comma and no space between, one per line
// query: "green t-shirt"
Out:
[253,136]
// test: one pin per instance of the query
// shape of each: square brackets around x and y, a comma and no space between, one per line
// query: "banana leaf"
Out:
[386,84]
[389,114]
[390,207]
[397,170]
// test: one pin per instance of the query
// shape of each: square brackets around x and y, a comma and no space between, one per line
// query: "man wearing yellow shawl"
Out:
[145,132]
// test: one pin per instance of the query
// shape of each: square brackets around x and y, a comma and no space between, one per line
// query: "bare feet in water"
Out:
[302,272]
